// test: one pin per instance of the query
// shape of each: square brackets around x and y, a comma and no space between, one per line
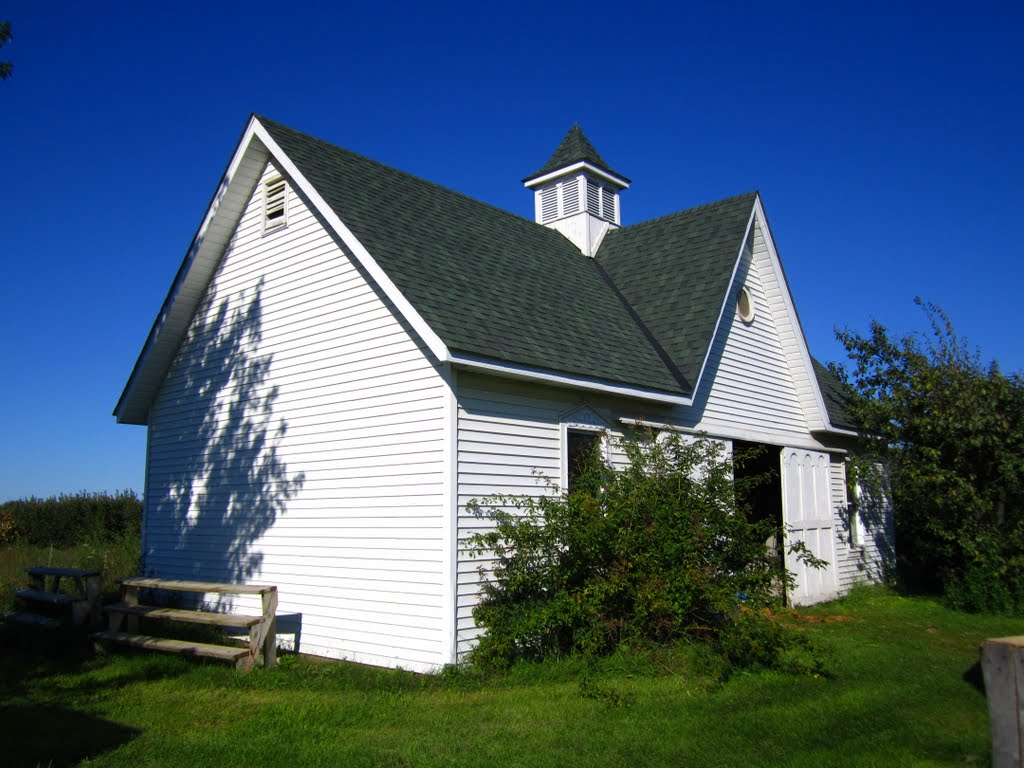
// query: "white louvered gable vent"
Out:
[275,204]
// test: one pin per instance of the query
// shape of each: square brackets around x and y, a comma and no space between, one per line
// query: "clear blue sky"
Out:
[886,139]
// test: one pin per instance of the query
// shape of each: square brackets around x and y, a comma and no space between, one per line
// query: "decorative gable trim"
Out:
[797,354]
[800,358]
[253,151]
[201,259]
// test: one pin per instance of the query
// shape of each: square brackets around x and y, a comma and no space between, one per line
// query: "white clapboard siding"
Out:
[298,440]
[509,442]
[864,536]
[747,388]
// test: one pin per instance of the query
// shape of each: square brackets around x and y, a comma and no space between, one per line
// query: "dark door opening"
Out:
[764,500]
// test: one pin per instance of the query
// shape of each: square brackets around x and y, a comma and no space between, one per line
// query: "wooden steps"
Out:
[42,596]
[126,614]
[197,586]
[184,647]
[178,614]
[32,620]
[77,603]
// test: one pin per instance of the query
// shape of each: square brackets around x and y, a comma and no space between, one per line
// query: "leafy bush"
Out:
[658,551]
[951,430]
[71,519]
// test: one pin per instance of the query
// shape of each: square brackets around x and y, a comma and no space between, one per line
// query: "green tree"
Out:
[659,551]
[951,431]
[6,67]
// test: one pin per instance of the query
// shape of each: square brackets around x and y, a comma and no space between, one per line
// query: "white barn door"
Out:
[807,516]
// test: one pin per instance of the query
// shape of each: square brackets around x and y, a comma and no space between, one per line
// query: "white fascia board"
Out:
[830,430]
[185,292]
[582,165]
[508,370]
[728,433]
[406,309]
[725,300]
[787,298]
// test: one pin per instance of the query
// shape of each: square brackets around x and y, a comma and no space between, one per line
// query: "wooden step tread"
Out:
[31,619]
[41,596]
[46,570]
[184,647]
[199,586]
[177,614]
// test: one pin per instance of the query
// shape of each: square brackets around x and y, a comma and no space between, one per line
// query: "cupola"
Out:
[577,193]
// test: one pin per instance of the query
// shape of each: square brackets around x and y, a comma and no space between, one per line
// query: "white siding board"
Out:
[339,416]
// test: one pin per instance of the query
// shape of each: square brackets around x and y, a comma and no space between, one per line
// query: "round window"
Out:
[745,305]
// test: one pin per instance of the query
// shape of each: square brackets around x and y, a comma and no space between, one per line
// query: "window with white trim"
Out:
[583,433]
[275,204]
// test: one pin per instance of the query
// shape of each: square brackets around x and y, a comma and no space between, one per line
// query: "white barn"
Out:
[349,354]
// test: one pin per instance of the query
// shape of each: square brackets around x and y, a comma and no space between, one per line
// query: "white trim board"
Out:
[511,371]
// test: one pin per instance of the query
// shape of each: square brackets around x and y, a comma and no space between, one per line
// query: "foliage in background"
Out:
[71,519]
[658,551]
[951,431]
[6,67]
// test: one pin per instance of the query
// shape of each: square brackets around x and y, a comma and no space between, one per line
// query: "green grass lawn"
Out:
[905,692]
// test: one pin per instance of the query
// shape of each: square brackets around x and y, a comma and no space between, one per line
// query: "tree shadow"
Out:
[216,432]
[36,734]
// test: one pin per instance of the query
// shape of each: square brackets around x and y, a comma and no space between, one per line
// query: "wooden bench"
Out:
[124,621]
[81,603]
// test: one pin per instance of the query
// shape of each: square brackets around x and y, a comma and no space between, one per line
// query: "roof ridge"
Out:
[399,171]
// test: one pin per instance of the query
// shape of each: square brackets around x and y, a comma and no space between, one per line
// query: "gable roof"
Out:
[575,148]
[485,287]
[489,283]
[675,271]
[837,396]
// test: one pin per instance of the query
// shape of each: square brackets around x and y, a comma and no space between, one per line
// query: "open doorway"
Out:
[764,499]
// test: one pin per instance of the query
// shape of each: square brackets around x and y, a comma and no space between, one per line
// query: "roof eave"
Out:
[561,379]
[192,277]
[581,165]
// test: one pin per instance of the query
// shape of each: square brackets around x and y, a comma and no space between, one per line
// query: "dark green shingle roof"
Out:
[837,396]
[495,285]
[674,271]
[488,282]
[574,148]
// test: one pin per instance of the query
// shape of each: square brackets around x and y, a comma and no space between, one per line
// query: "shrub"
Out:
[950,428]
[659,551]
[71,519]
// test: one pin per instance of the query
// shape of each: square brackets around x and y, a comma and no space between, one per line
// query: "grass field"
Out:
[906,691]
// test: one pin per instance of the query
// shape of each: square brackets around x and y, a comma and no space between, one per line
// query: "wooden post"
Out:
[269,627]
[1002,661]
[130,596]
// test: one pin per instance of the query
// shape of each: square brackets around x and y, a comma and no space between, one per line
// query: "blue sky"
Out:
[885,138]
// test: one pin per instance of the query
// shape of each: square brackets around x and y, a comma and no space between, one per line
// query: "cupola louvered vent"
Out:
[570,196]
[275,204]
[607,205]
[593,197]
[549,204]
[601,201]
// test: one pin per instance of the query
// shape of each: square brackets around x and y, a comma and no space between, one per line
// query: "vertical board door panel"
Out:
[807,517]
